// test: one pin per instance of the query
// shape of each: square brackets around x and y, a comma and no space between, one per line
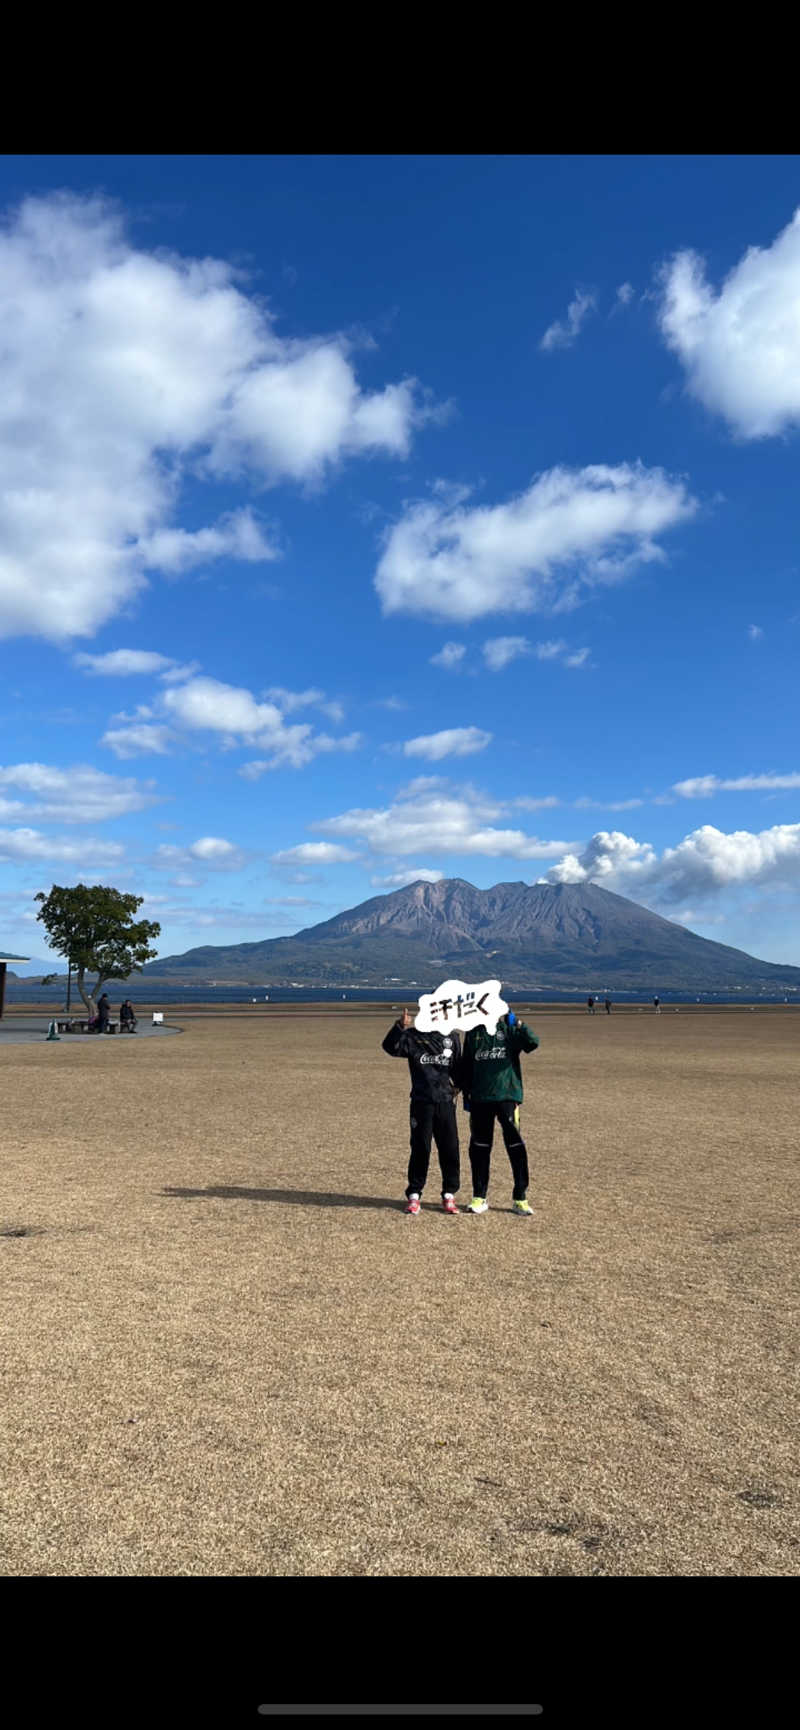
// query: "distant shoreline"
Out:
[277,1010]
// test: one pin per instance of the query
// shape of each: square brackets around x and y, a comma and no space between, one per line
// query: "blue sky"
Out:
[364,518]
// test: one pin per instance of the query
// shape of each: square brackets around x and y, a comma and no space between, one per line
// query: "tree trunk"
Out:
[89,995]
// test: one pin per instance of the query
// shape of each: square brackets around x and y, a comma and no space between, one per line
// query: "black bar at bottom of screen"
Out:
[400,1711]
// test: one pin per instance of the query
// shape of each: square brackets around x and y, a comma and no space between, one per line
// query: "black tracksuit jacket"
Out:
[434,1061]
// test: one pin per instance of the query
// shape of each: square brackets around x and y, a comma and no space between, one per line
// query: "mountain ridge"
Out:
[540,934]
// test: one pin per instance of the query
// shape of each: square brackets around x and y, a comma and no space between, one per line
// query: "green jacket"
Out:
[491,1061]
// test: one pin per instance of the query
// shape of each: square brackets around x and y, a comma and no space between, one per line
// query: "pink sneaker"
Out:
[448,1203]
[412,1205]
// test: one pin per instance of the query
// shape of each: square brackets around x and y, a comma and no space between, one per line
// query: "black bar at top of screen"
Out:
[400,1711]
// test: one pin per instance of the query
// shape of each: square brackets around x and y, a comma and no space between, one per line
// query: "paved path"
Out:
[28,1029]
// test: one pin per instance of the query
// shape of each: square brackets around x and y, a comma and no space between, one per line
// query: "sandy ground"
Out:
[225,1350]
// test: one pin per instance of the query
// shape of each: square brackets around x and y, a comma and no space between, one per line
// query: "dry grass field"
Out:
[227,1351]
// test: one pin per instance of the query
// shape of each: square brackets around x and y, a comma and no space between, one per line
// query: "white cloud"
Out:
[211,851]
[179,670]
[421,784]
[120,370]
[235,715]
[297,747]
[290,901]
[438,821]
[79,794]
[704,863]
[236,536]
[288,701]
[210,705]
[205,704]
[451,742]
[449,656]
[414,874]
[740,347]
[607,804]
[545,804]
[136,663]
[499,651]
[140,740]
[570,530]
[609,858]
[564,332]
[704,786]
[19,845]
[625,293]
[301,410]
[693,916]
[754,632]
[314,853]
[230,917]
[124,663]
[335,712]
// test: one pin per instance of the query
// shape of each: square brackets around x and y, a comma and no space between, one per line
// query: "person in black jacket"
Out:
[434,1061]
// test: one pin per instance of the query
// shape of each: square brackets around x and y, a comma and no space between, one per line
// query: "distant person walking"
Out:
[492,1083]
[657,1005]
[434,1061]
[590,1005]
[608,1005]
[103,1012]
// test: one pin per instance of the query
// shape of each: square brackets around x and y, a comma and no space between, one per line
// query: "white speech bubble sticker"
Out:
[458,1005]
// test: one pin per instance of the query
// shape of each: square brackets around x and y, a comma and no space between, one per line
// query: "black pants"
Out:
[433,1121]
[482,1120]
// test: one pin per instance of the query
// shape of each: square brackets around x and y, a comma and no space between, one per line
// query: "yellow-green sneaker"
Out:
[478,1204]
[522,1207]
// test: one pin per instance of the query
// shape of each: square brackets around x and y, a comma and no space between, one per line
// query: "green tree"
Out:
[95,929]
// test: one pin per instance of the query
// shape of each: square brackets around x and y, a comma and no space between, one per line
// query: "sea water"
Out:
[158,991]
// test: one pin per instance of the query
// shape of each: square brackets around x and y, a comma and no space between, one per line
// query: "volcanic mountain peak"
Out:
[507,910]
[450,904]
[527,934]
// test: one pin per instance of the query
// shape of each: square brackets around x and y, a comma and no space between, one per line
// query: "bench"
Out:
[75,1026]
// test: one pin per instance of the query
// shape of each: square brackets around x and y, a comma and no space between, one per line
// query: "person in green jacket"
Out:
[492,1087]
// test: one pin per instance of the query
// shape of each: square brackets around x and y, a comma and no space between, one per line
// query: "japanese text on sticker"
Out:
[458,1005]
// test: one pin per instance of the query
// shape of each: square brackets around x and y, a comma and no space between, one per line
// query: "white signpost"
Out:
[458,1005]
